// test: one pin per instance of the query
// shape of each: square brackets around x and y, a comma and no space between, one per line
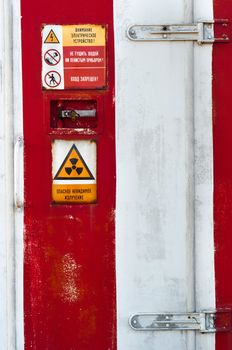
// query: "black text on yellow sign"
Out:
[75,169]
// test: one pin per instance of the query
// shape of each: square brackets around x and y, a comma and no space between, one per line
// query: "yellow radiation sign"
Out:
[74,171]
[74,167]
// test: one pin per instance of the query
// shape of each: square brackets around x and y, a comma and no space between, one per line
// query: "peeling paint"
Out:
[70,289]
[64,276]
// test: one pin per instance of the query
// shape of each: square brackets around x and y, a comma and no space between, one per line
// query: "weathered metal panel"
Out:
[222,129]
[164,195]
[164,174]
[69,256]
[11,228]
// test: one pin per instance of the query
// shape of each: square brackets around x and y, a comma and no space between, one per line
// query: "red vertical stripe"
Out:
[222,133]
[69,275]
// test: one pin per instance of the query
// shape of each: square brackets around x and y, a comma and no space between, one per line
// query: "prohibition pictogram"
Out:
[52,57]
[52,79]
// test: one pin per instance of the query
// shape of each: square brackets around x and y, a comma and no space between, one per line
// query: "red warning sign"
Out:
[84,53]
[84,66]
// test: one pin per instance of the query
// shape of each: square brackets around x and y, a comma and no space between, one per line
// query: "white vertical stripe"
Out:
[7,263]
[204,236]
[11,237]
[18,132]
[3,235]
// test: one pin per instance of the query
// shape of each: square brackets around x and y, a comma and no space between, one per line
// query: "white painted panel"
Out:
[18,132]
[3,243]
[11,226]
[7,276]
[204,239]
[155,215]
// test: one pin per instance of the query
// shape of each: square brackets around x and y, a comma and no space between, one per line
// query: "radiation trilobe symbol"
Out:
[74,167]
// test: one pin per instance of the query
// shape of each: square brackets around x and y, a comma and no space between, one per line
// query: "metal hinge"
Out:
[205,32]
[204,321]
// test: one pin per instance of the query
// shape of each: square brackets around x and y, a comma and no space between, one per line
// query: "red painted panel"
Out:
[69,275]
[222,133]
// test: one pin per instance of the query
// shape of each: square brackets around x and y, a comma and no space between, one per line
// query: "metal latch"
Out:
[206,32]
[204,321]
[73,114]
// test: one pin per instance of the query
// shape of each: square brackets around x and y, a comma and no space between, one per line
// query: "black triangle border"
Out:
[55,37]
[91,177]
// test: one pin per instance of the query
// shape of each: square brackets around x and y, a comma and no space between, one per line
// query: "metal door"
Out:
[69,255]
[165,254]
[170,198]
